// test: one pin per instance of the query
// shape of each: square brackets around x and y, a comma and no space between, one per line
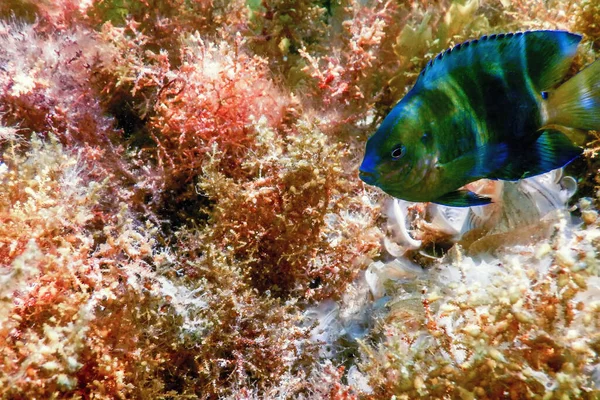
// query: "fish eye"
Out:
[398,151]
[426,139]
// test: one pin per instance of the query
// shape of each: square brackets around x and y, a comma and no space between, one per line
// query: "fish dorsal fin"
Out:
[546,55]
[549,56]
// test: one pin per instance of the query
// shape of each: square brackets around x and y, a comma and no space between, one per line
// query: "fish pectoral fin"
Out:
[462,198]
[550,151]
[480,162]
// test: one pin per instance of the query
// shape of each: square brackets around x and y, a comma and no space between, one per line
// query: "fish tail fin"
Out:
[576,103]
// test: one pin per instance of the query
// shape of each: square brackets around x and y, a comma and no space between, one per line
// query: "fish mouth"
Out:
[368,177]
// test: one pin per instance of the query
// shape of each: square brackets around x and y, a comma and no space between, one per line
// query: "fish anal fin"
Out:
[550,151]
[578,136]
[462,198]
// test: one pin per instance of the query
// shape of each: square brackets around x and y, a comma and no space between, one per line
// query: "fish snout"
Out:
[368,177]
[368,170]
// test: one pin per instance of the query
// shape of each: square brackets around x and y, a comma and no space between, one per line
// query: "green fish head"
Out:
[399,154]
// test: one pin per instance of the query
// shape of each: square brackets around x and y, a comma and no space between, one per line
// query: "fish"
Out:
[495,108]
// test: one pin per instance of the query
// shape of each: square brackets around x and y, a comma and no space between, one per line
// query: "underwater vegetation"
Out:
[181,214]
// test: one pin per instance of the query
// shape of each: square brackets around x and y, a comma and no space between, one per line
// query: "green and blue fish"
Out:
[487,108]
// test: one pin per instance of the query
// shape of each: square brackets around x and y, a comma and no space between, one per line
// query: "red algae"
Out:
[178,186]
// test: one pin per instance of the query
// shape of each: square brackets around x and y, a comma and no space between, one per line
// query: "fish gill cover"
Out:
[181,213]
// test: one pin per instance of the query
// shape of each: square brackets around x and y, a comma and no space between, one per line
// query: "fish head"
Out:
[399,154]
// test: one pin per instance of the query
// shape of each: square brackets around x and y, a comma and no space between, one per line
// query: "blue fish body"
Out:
[487,108]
